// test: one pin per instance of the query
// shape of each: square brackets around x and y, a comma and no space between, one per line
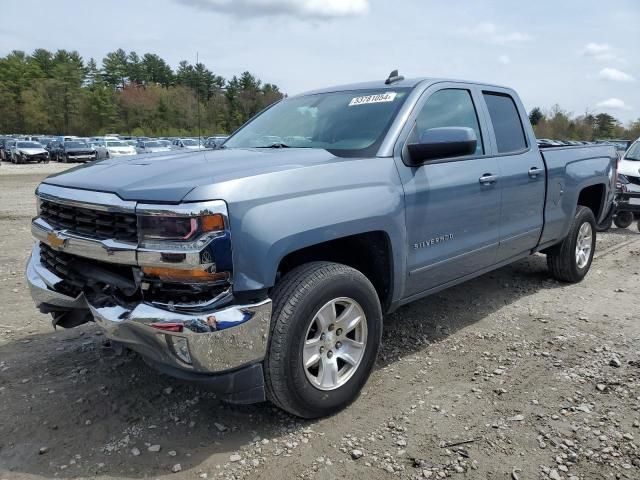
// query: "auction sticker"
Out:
[376,98]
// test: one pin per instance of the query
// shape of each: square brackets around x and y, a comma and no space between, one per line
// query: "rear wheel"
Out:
[623,219]
[570,260]
[326,330]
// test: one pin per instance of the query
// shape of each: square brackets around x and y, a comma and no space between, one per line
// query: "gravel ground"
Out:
[510,376]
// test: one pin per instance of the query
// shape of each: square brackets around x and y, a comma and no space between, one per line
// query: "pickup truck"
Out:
[263,269]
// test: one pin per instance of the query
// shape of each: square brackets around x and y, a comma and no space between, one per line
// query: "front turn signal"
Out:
[181,275]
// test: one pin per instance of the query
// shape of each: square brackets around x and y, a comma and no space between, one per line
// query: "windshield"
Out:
[75,145]
[347,123]
[28,145]
[189,143]
[153,144]
[117,144]
[633,153]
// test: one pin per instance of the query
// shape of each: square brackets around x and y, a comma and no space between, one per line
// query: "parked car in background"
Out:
[629,165]
[100,147]
[166,143]
[188,143]
[5,148]
[119,148]
[621,144]
[74,151]
[215,141]
[27,151]
[151,146]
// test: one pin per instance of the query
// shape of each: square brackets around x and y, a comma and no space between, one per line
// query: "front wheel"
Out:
[326,330]
[570,260]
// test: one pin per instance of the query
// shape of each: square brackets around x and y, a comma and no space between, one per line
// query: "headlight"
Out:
[621,183]
[187,243]
[178,229]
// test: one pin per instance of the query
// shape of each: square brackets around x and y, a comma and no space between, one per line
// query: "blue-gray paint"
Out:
[282,200]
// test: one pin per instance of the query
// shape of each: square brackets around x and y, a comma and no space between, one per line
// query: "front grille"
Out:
[92,223]
[634,180]
[59,264]
[79,274]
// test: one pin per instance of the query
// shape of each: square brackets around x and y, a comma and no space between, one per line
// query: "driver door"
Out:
[453,204]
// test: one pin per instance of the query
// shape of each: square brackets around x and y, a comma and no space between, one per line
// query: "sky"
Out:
[580,54]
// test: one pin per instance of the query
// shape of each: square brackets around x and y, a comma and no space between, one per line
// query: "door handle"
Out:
[488,178]
[535,171]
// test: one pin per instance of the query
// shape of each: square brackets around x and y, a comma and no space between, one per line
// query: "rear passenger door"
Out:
[522,174]
[452,205]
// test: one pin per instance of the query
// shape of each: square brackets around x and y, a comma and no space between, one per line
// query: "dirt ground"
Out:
[510,376]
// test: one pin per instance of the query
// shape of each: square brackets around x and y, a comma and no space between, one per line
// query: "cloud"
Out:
[615,75]
[596,49]
[504,59]
[601,52]
[304,9]
[491,33]
[613,104]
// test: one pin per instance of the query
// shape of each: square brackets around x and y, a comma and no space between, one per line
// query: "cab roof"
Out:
[381,85]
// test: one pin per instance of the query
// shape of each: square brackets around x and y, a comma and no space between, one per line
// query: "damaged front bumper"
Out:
[222,347]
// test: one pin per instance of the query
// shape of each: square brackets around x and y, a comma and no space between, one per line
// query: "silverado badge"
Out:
[433,241]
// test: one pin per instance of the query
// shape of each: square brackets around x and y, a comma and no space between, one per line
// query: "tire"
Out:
[623,219]
[562,259]
[297,301]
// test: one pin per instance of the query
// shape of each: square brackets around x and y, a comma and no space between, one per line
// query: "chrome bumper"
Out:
[239,333]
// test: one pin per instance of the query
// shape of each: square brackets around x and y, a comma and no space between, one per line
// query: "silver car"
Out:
[152,146]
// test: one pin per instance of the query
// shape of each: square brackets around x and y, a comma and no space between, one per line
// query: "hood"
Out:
[32,151]
[629,167]
[170,177]
[157,149]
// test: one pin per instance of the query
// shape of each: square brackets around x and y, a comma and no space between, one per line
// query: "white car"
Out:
[25,151]
[188,143]
[152,146]
[118,148]
[629,164]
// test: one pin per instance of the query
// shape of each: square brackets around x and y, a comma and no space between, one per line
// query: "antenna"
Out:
[393,77]
[198,96]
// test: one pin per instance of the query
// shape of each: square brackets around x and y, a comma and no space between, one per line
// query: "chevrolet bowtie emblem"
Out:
[56,241]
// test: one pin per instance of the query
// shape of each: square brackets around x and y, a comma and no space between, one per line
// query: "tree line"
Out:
[61,93]
[559,124]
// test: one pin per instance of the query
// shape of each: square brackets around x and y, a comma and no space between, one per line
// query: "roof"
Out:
[380,85]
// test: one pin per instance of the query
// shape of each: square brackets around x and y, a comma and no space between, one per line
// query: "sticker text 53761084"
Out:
[376,98]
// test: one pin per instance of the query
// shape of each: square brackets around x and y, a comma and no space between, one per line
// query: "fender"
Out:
[274,214]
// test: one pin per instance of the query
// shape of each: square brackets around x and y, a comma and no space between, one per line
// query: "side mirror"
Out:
[442,142]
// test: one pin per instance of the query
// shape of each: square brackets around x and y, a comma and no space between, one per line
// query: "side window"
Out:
[449,108]
[507,124]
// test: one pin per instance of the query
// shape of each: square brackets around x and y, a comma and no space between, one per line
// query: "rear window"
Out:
[506,122]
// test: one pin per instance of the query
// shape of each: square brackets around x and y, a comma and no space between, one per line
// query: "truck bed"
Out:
[570,169]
